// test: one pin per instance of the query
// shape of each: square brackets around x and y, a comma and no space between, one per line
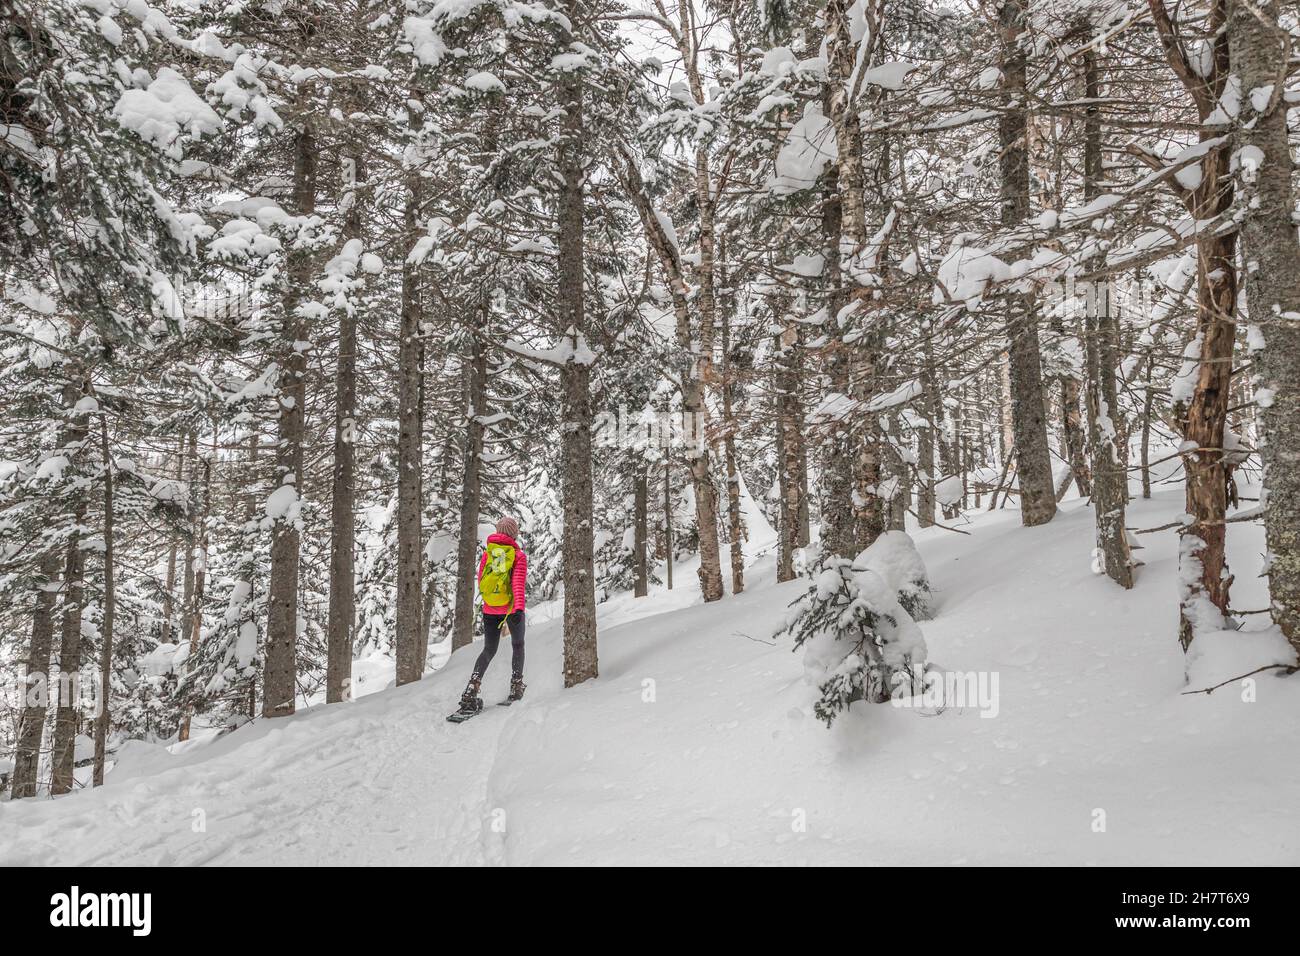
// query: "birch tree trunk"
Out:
[691,366]
[844,236]
[1259,47]
[698,348]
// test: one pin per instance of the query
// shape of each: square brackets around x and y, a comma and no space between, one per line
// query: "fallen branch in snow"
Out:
[754,639]
[936,524]
[1287,670]
[993,502]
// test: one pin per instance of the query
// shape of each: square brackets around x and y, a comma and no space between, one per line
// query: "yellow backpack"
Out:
[494,583]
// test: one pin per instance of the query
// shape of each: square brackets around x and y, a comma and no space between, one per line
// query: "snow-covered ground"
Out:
[697,744]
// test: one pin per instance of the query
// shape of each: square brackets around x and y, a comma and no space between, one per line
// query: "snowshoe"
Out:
[470,702]
[467,710]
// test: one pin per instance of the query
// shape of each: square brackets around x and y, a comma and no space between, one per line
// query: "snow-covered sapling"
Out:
[859,643]
[895,558]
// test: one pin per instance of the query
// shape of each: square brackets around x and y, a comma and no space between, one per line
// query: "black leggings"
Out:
[492,640]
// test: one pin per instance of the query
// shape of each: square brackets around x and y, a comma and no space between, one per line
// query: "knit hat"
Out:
[509,527]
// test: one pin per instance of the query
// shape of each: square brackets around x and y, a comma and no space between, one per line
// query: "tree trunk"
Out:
[844,237]
[694,364]
[897,505]
[63,747]
[791,456]
[410,554]
[838,537]
[641,494]
[280,665]
[1268,239]
[103,717]
[926,436]
[1148,410]
[342,613]
[1205,577]
[1203,568]
[1101,344]
[668,522]
[735,525]
[195,616]
[699,349]
[706,493]
[248,566]
[1028,422]
[36,683]
[580,658]
[169,596]
[1073,432]
[707,517]
[191,458]
[475,379]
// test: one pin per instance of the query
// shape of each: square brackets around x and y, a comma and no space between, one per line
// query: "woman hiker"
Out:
[502,578]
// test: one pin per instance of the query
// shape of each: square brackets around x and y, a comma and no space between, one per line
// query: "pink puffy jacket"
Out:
[518,575]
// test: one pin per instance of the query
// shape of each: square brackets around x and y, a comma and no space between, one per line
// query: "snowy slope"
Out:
[726,762]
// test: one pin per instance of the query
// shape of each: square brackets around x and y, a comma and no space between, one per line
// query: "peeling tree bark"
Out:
[1203,568]
[1259,48]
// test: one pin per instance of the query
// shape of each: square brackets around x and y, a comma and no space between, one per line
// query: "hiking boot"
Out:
[517,686]
[469,700]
